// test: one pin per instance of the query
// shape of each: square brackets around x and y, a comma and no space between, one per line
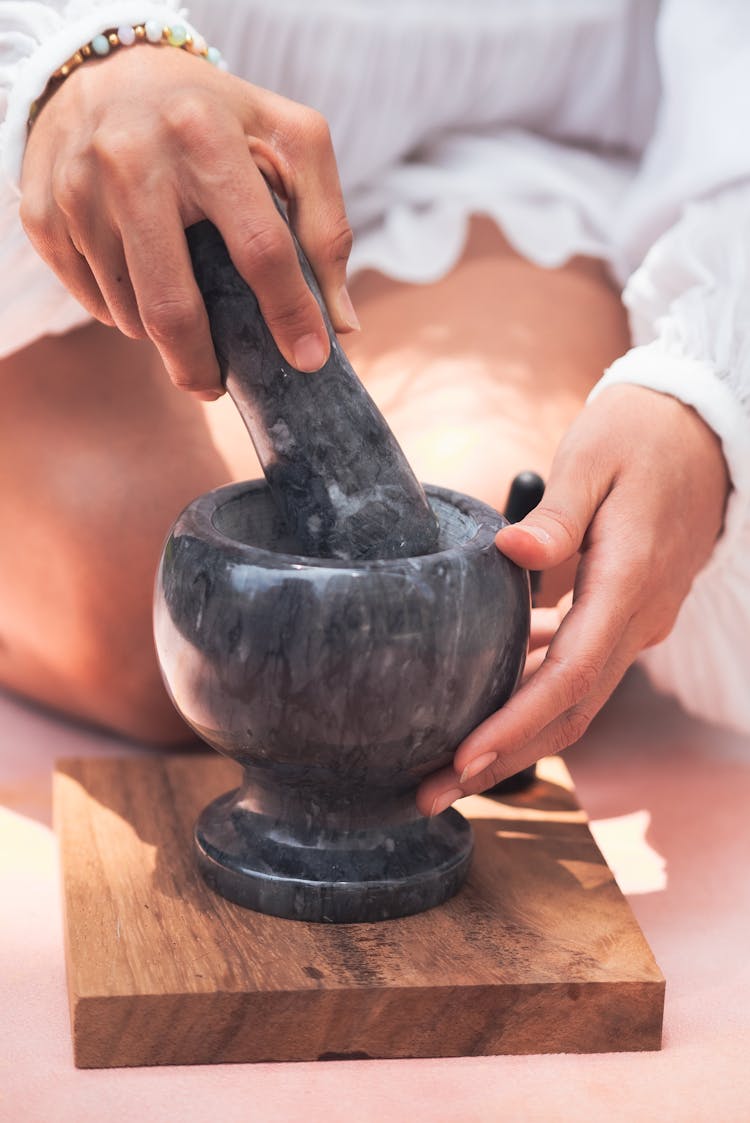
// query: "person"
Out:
[517,176]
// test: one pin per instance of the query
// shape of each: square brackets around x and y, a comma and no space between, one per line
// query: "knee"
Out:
[115,674]
[104,476]
[128,697]
[96,676]
[85,647]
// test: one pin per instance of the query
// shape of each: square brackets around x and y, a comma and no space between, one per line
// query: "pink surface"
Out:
[642,763]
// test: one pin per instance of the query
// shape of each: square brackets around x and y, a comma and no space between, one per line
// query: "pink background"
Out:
[669,799]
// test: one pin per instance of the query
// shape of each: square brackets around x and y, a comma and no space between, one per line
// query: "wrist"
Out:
[123,37]
[62,36]
[695,383]
[683,451]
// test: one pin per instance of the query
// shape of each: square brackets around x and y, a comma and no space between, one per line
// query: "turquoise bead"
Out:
[214,56]
[177,35]
[100,45]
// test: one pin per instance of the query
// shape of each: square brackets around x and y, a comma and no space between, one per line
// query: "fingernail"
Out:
[441,802]
[207,395]
[310,353]
[474,767]
[346,310]
[535,532]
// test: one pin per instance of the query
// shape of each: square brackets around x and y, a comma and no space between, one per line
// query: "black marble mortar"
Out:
[337,685]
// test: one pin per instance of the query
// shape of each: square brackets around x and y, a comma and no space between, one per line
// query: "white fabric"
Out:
[36,38]
[689,306]
[614,128]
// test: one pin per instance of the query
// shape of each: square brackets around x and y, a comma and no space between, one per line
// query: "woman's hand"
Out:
[133,148]
[638,486]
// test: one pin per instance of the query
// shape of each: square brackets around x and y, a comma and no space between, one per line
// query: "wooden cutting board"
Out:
[538,953]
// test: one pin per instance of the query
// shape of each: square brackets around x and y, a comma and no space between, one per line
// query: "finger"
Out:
[169,304]
[301,166]
[544,624]
[546,621]
[318,215]
[261,247]
[105,256]
[553,532]
[443,788]
[76,274]
[50,238]
[534,661]
[567,728]
[74,191]
[576,658]
[439,791]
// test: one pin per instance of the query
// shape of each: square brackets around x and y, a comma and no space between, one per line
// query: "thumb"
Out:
[555,529]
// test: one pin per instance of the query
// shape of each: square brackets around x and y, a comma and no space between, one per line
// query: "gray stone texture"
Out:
[340,479]
[337,686]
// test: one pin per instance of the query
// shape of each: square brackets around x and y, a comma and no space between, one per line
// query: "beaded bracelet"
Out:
[149,32]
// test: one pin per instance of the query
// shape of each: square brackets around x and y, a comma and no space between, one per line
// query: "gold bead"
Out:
[77,58]
[188,42]
[86,51]
[64,70]
[113,40]
[140,31]
[165,33]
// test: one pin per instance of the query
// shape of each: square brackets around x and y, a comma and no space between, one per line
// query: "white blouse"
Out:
[613,128]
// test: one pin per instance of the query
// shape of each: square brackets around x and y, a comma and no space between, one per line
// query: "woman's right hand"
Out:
[135,147]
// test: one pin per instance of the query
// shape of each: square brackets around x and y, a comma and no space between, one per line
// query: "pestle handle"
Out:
[337,474]
[525,493]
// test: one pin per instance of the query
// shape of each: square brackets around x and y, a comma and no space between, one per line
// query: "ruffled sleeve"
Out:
[36,38]
[689,307]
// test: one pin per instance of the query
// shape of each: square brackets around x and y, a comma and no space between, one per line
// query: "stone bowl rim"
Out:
[201,510]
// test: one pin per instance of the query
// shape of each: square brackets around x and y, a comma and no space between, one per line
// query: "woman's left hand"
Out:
[638,486]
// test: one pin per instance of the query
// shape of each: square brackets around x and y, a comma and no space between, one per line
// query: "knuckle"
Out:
[563,520]
[181,379]
[95,305]
[571,727]
[315,128]
[187,376]
[71,187]
[168,321]
[266,248]
[340,242]
[662,624]
[192,116]
[117,151]
[578,677]
[331,242]
[291,318]
[497,772]
[34,217]
[186,110]
[101,312]
[129,323]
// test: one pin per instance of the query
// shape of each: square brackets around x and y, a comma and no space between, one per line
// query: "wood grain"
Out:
[538,953]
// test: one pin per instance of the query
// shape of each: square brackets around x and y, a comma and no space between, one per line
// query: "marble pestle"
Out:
[341,482]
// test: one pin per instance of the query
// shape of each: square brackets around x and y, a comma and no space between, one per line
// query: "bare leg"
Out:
[479,375]
[97,456]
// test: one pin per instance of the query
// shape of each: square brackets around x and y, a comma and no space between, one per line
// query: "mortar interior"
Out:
[252,519]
